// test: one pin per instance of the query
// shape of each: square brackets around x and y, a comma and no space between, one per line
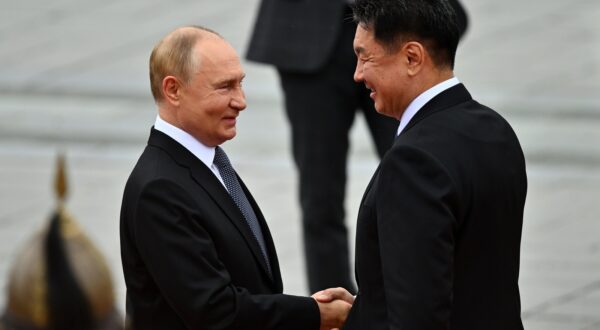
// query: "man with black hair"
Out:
[310,44]
[439,226]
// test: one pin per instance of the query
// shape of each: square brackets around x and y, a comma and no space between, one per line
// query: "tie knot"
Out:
[221,159]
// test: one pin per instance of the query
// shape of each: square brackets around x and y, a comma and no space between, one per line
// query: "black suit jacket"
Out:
[439,227]
[296,35]
[189,258]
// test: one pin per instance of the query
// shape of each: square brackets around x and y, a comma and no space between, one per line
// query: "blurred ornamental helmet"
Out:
[59,279]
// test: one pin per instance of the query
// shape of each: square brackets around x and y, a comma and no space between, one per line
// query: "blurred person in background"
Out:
[196,250]
[310,44]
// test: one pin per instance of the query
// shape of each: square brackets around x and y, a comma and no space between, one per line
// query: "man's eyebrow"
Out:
[231,80]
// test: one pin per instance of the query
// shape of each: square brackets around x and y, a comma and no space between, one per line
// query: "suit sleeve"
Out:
[416,224]
[182,259]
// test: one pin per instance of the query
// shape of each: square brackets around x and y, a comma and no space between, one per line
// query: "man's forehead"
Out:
[217,53]
[215,47]
[362,39]
[219,69]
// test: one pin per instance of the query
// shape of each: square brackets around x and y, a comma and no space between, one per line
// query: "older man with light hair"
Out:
[196,250]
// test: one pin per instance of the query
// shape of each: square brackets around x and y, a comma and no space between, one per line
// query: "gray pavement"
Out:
[74,79]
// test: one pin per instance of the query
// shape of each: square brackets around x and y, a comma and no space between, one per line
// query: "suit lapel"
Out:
[273,260]
[447,99]
[206,179]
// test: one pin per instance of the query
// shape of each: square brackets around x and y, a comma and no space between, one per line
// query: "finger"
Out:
[323,296]
[340,293]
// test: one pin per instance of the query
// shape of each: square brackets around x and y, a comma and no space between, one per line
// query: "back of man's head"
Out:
[433,23]
[173,56]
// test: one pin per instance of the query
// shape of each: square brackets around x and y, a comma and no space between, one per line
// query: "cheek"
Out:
[368,73]
[376,77]
[388,82]
[213,108]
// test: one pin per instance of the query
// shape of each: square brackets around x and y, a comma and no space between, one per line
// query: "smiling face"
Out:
[383,72]
[210,103]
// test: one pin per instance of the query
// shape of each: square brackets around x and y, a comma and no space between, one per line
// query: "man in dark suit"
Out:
[310,44]
[439,226]
[195,248]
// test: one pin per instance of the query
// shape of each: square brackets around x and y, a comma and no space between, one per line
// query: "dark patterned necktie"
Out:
[239,198]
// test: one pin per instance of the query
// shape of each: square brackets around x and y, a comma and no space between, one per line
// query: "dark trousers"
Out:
[321,107]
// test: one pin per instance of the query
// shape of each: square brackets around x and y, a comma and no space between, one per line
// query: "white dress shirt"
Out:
[422,99]
[204,153]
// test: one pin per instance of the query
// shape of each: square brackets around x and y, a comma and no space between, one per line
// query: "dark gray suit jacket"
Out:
[190,259]
[439,227]
[296,35]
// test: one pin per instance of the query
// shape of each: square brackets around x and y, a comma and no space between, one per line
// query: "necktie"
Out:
[239,198]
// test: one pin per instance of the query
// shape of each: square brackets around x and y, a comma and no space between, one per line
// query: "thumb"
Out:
[322,296]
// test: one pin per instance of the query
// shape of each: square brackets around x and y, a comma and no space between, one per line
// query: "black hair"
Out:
[434,23]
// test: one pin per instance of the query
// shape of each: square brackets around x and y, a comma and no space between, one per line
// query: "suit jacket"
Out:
[296,35]
[439,226]
[189,258]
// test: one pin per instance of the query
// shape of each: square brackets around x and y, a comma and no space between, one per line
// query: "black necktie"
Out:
[239,198]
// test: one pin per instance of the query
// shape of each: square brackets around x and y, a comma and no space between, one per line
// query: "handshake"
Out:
[334,306]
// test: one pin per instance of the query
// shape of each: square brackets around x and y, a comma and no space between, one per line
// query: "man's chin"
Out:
[379,109]
[230,134]
[383,111]
[222,138]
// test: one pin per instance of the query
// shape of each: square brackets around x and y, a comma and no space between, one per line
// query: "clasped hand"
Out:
[334,306]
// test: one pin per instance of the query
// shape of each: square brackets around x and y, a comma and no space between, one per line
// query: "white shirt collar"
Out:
[422,99]
[204,153]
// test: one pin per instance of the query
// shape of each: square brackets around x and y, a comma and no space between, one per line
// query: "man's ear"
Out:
[171,89]
[414,53]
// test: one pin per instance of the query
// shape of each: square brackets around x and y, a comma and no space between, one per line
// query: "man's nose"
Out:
[358,72]
[238,101]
